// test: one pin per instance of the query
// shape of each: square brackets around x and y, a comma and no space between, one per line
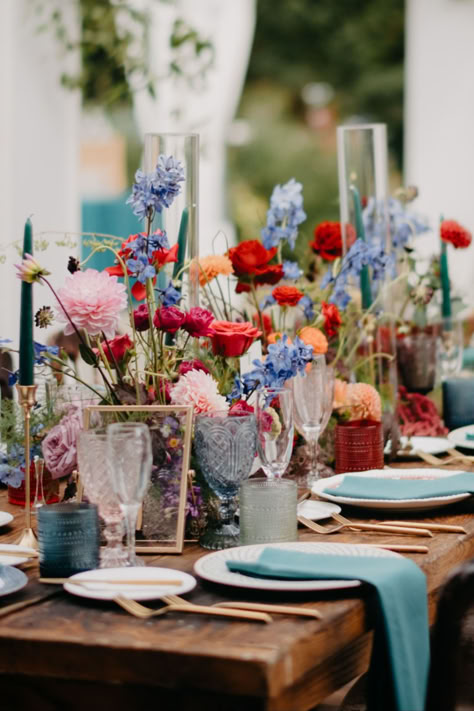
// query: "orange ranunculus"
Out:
[328,240]
[207,268]
[332,319]
[314,337]
[276,336]
[287,295]
[232,339]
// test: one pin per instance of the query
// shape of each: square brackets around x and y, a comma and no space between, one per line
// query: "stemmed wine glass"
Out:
[311,416]
[94,466]
[275,430]
[130,460]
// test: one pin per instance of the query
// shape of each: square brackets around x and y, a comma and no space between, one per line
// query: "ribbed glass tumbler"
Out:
[268,511]
[225,449]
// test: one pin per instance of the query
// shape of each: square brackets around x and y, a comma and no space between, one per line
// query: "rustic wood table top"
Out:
[65,651]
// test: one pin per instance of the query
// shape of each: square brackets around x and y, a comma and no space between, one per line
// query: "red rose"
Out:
[198,322]
[169,318]
[140,318]
[328,240]
[250,257]
[117,349]
[332,319]
[266,322]
[456,234]
[233,339]
[240,408]
[186,365]
[271,275]
[287,295]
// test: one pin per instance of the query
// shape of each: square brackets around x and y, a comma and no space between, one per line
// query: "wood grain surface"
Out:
[52,649]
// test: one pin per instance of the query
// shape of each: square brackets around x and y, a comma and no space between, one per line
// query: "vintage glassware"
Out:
[275,430]
[310,398]
[93,466]
[225,449]
[268,511]
[359,446]
[450,347]
[129,457]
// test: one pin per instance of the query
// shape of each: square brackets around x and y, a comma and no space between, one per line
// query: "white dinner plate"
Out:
[213,566]
[11,580]
[107,591]
[428,445]
[14,560]
[390,504]
[5,518]
[317,510]
[458,437]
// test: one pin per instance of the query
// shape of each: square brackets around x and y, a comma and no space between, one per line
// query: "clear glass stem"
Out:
[313,474]
[227,509]
[131,513]
[39,493]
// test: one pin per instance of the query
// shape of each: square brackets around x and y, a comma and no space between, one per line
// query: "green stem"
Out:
[259,313]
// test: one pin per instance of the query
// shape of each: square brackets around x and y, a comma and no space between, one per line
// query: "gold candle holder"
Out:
[27,400]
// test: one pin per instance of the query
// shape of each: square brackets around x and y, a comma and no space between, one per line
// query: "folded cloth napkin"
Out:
[400,655]
[364,487]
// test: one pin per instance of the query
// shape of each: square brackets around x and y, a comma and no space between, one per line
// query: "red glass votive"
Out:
[359,446]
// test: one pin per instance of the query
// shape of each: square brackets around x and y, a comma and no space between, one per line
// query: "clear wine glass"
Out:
[275,430]
[129,456]
[311,411]
[225,448]
[93,466]
[450,347]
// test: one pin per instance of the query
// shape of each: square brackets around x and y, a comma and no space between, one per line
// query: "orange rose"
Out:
[232,339]
[287,295]
[314,337]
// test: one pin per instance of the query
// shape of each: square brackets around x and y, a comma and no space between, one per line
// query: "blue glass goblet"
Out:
[225,449]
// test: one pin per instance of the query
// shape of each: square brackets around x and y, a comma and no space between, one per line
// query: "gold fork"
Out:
[257,606]
[345,523]
[138,610]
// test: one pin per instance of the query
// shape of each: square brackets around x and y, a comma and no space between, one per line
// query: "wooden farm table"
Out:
[72,653]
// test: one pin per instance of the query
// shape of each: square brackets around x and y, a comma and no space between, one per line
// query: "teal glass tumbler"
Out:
[69,539]
[268,511]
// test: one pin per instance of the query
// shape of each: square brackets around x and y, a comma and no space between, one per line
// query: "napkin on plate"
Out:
[364,487]
[400,655]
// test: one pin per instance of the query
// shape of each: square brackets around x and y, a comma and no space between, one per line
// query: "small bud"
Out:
[73,265]
[44,317]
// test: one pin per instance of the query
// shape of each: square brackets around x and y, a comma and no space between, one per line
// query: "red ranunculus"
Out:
[198,322]
[232,339]
[169,319]
[456,234]
[186,365]
[287,295]
[117,349]
[332,319]
[140,318]
[240,408]
[328,240]
[271,275]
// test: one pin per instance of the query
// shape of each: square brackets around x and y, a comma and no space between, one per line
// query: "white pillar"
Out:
[439,123]
[39,129]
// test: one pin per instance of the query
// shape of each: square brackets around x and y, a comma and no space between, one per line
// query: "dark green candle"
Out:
[26,317]
[365,287]
[445,285]
[182,242]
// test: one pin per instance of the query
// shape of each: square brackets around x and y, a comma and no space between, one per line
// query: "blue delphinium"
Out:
[12,464]
[306,304]
[291,270]
[402,224]
[284,215]
[40,350]
[284,361]
[169,296]
[152,192]
[147,245]
[140,268]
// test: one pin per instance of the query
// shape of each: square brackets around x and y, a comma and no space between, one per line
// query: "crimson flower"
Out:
[169,319]
[233,339]
[250,261]
[328,240]
[240,408]
[456,234]
[141,318]
[186,365]
[332,319]
[198,322]
[287,295]
[117,349]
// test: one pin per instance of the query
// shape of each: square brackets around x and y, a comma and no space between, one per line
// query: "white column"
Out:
[439,120]
[39,129]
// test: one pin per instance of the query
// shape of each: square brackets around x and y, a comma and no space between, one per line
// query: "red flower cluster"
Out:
[287,295]
[158,259]
[328,240]
[456,234]
[250,261]
[197,321]
[240,409]
[332,319]
[419,416]
[233,339]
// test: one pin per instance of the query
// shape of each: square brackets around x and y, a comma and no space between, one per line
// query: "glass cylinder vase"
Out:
[180,220]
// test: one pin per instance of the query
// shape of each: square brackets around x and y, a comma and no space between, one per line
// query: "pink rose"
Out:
[140,318]
[198,322]
[169,319]
[59,445]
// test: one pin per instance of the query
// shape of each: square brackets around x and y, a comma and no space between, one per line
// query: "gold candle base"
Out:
[27,399]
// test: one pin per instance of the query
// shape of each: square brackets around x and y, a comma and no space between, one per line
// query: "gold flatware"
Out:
[16,606]
[103,581]
[257,606]
[19,554]
[398,548]
[437,462]
[138,610]
[381,527]
[304,496]
[446,527]
[454,453]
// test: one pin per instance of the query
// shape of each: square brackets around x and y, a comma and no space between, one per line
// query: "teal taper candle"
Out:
[26,317]
[445,285]
[182,241]
[365,287]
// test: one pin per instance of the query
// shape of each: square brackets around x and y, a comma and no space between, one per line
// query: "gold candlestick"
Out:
[27,399]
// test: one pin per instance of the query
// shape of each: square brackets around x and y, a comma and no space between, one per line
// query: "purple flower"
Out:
[169,296]
[153,191]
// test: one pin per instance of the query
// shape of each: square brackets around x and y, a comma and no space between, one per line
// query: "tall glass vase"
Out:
[180,220]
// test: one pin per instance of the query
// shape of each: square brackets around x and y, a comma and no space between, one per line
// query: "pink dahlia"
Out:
[199,389]
[93,301]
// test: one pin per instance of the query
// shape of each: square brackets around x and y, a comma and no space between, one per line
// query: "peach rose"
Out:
[314,337]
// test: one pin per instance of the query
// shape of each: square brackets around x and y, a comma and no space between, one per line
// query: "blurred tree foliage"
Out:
[358,49]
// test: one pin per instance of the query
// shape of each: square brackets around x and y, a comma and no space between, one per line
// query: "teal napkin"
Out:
[363,487]
[400,656]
